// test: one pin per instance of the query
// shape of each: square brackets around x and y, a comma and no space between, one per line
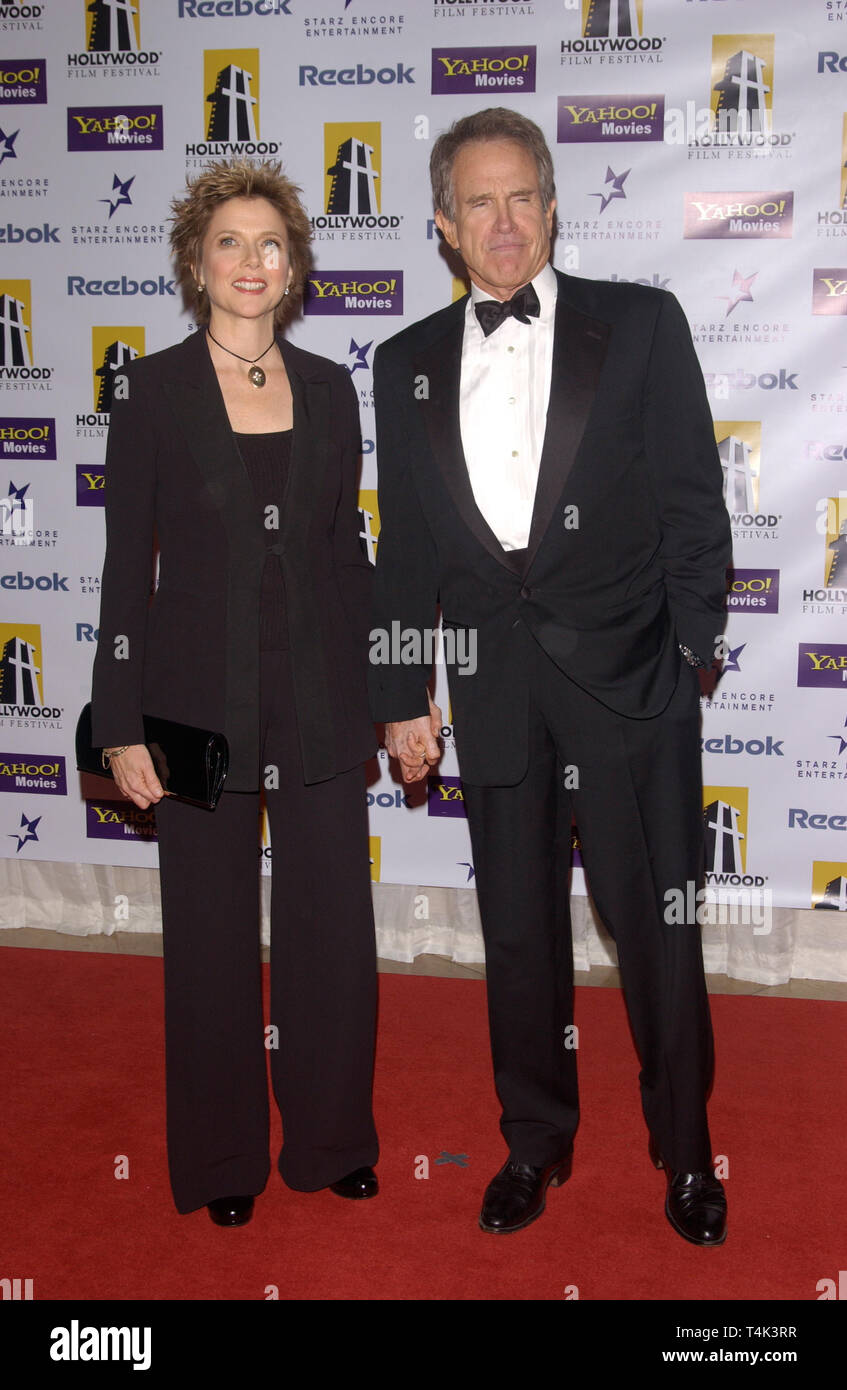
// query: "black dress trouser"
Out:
[634,789]
[323,975]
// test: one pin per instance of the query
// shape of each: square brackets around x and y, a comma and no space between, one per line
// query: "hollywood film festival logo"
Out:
[353,185]
[830,600]
[112,348]
[21,16]
[738,123]
[19,370]
[113,41]
[832,221]
[740,451]
[231,109]
[612,34]
[21,679]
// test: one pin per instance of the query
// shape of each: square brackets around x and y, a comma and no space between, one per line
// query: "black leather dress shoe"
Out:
[517,1194]
[231,1211]
[360,1183]
[695,1203]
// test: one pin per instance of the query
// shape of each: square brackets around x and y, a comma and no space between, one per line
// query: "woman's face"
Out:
[244,259]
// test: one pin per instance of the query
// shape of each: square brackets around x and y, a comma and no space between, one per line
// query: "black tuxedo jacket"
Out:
[192,653]
[608,590]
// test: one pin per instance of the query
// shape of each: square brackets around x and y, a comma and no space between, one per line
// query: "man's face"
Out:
[501,230]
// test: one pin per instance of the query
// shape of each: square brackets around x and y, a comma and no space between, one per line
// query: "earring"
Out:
[200,287]
[286,291]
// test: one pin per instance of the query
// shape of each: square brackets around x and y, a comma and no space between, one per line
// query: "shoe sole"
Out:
[555,1180]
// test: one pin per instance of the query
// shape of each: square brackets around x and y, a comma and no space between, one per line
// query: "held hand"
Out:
[413,742]
[135,776]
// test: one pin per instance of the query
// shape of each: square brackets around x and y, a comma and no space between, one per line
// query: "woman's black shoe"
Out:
[231,1211]
[360,1183]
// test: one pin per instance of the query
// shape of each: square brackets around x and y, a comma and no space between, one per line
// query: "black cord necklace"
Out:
[256,375]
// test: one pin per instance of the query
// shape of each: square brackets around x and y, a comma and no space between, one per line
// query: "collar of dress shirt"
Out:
[545,285]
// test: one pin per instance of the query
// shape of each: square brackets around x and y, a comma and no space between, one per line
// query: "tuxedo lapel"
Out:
[579,350]
[440,365]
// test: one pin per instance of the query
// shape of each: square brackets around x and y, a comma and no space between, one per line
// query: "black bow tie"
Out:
[492,312]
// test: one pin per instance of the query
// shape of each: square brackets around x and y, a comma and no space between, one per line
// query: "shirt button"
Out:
[514,453]
[510,349]
[511,400]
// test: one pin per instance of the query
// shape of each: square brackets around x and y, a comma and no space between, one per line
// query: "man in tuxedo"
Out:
[548,473]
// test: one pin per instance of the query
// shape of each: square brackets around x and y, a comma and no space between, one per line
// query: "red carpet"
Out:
[82,1046]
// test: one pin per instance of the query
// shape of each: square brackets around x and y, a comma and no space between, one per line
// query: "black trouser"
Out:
[634,788]
[323,975]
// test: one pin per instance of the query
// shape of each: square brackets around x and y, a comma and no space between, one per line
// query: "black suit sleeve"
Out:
[406,577]
[686,478]
[130,493]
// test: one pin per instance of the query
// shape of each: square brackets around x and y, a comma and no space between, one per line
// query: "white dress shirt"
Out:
[503,396]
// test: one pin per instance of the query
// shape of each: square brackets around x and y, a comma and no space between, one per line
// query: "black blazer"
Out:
[192,653]
[629,443]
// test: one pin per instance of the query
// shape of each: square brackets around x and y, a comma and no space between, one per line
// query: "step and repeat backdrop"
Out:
[700,146]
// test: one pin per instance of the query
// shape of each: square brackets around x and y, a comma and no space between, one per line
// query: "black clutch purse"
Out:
[190,763]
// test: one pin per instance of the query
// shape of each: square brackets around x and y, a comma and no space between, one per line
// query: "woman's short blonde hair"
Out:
[217,184]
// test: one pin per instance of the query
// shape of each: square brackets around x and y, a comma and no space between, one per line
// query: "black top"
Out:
[267,458]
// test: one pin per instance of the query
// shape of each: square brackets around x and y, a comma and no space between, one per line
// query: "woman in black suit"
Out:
[239,453]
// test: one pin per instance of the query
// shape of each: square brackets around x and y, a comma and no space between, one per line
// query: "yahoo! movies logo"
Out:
[829,291]
[822,665]
[23,81]
[603,118]
[115,128]
[510,69]
[37,773]
[444,797]
[753,591]
[739,215]
[22,437]
[612,32]
[113,41]
[119,820]
[355,292]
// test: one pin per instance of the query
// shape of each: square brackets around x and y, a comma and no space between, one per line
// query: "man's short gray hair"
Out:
[494,123]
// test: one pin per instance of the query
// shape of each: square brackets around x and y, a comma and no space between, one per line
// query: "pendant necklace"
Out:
[256,375]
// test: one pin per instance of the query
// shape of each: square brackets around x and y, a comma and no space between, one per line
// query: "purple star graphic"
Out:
[617,182]
[740,291]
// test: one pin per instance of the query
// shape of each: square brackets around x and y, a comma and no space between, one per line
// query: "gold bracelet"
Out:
[109,753]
